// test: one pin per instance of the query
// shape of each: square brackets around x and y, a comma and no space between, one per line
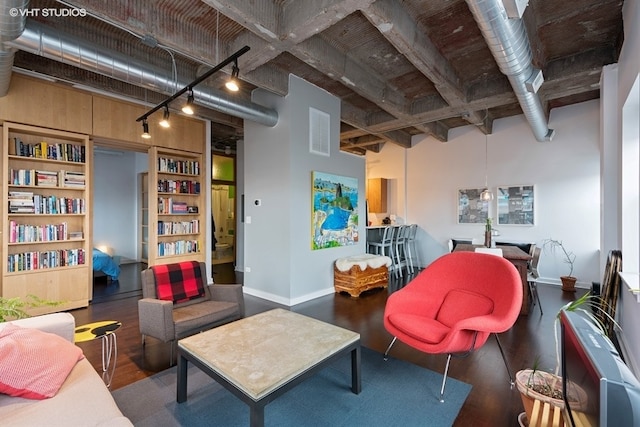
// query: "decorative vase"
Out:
[568,283]
[487,239]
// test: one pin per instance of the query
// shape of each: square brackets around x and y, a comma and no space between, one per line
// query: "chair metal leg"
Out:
[386,353]
[444,378]
[506,362]
[533,290]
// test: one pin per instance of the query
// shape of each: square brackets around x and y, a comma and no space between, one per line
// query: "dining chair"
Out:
[490,251]
[532,277]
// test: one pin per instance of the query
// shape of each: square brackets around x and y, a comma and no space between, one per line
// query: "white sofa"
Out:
[82,400]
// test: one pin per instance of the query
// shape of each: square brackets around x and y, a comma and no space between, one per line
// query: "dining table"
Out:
[519,258]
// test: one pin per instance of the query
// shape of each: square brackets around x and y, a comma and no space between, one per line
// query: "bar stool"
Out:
[412,247]
[384,246]
[399,248]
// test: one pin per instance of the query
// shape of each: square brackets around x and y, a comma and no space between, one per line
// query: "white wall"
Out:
[115,197]
[628,71]
[565,173]
[277,170]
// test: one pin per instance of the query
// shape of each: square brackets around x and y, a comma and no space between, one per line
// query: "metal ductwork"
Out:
[50,43]
[508,42]
[12,23]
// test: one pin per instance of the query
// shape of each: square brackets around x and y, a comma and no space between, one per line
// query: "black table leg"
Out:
[256,417]
[356,383]
[181,384]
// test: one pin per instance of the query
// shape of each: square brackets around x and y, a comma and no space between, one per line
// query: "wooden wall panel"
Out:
[37,102]
[116,120]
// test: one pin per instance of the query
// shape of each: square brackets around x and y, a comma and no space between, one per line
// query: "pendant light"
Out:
[486,195]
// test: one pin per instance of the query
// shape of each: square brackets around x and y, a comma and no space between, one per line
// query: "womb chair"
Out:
[454,304]
[177,302]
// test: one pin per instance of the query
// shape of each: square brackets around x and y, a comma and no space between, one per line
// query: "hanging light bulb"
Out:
[165,118]
[486,195]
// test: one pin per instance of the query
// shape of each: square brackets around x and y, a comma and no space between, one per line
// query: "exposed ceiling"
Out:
[399,67]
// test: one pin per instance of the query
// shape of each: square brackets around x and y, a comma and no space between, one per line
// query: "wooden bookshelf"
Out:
[143,220]
[177,206]
[46,215]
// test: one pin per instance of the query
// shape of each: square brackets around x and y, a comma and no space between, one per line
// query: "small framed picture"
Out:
[516,205]
[471,209]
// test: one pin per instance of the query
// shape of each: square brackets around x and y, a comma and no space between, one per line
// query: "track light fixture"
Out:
[165,118]
[232,83]
[145,129]
[188,107]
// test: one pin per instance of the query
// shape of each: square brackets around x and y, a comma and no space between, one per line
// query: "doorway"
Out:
[223,215]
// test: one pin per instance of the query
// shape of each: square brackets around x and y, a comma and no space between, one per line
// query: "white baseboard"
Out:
[289,302]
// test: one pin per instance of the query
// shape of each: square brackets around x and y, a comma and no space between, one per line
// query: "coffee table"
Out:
[261,357]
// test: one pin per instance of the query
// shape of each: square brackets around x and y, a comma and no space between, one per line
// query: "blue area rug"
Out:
[394,393]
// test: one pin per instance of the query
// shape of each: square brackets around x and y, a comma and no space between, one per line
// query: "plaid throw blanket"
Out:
[178,282]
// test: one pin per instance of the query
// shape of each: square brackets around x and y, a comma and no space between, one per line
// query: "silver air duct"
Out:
[50,43]
[508,42]
[12,22]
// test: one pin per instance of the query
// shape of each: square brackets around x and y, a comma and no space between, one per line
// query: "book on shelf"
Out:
[46,178]
[72,179]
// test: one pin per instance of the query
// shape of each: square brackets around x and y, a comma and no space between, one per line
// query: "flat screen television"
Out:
[599,388]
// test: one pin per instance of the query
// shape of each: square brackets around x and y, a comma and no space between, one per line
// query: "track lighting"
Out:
[145,129]
[165,118]
[188,107]
[232,83]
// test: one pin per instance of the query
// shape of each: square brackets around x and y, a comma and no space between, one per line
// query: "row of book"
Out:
[44,150]
[39,260]
[178,248]
[184,187]
[21,202]
[167,205]
[27,233]
[43,178]
[181,227]
[187,167]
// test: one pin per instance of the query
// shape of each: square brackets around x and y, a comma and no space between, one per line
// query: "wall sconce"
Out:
[145,129]
[165,118]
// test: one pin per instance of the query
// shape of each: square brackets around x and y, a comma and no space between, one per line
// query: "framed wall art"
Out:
[471,209]
[334,211]
[516,205]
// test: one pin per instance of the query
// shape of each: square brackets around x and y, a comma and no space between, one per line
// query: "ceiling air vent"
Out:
[318,132]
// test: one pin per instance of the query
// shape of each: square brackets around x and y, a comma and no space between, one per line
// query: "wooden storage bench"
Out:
[360,273]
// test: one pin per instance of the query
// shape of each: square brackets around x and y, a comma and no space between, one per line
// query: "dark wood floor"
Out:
[491,402]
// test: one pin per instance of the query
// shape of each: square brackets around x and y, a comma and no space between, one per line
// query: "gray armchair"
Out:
[168,321]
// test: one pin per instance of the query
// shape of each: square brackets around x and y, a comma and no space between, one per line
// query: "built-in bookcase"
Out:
[176,219]
[46,243]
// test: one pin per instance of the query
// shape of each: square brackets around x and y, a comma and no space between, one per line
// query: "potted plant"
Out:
[15,308]
[568,281]
[534,384]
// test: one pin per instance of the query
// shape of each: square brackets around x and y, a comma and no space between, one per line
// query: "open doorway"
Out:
[223,215]
[116,220]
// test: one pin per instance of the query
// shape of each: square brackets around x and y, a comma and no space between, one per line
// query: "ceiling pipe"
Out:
[508,42]
[50,43]
[12,23]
